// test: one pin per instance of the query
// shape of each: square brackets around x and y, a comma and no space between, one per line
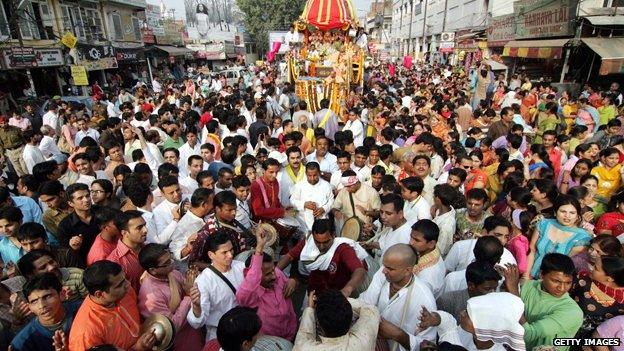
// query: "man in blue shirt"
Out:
[31,211]
[53,318]
[10,222]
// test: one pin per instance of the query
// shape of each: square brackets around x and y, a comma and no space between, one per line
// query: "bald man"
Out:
[400,296]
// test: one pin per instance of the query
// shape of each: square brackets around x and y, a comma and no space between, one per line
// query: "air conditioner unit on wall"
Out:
[447,36]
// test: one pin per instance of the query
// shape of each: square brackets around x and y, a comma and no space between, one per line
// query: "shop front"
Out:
[608,55]
[38,68]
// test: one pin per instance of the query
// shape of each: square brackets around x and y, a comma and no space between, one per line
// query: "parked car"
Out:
[232,74]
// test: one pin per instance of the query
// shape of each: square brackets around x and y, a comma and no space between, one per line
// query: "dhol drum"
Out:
[373,267]
[352,229]
[272,343]
[287,227]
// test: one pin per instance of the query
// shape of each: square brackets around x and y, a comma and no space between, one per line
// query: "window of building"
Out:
[92,23]
[72,21]
[136,26]
[4,24]
[117,27]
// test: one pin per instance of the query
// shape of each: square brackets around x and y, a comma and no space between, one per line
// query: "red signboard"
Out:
[148,36]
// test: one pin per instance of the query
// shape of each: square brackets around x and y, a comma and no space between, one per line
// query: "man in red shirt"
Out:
[265,203]
[106,241]
[332,263]
[133,235]
[549,139]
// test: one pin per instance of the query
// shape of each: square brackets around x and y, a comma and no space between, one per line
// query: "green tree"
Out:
[263,16]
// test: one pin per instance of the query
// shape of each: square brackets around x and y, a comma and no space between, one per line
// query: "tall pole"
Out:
[424,35]
[15,20]
[409,36]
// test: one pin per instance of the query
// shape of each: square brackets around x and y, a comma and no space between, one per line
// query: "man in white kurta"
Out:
[172,194]
[188,149]
[400,296]
[293,173]
[312,197]
[216,295]
[397,228]
[190,223]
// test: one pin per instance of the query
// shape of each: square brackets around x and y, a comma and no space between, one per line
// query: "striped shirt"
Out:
[129,261]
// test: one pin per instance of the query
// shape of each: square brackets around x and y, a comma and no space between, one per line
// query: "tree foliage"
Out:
[263,16]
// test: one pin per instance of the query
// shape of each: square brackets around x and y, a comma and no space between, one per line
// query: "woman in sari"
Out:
[572,178]
[597,205]
[527,108]
[560,235]
[600,294]
[600,246]
[612,222]
[608,172]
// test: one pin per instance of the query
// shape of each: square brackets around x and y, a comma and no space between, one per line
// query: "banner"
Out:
[87,52]
[105,63]
[501,30]
[20,57]
[154,19]
[79,75]
[543,18]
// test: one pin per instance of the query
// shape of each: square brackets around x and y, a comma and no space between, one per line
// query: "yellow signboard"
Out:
[79,74]
[69,40]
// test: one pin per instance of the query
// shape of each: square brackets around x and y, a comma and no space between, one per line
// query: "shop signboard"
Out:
[20,57]
[154,19]
[104,63]
[148,36]
[543,18]
[215,51]
[94,52]
[79,75]
[501,30]
[69,40]
[38,58]
[123,55]
[446,46]
[49,57]
[132,3]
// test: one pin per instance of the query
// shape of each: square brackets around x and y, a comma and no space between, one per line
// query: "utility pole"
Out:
[409,36]
[424,35]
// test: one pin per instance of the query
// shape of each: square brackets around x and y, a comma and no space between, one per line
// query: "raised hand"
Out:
[59,341]
[428,319]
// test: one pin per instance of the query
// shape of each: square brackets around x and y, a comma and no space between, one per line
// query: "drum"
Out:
[272,343]
[286,227]
[352,229]
[243,256]
[373,267]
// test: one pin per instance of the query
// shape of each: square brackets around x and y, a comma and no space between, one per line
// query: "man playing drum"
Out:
[396,229]
[332,263]
[222,220]
[356,199]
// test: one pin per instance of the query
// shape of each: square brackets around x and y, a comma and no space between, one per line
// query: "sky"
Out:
[361,5]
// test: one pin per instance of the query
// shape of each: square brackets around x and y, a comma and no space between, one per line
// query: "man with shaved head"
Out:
[400,296]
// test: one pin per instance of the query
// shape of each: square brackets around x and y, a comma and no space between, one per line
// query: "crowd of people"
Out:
[447,210]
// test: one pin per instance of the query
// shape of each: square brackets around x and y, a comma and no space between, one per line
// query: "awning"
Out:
[606,20]
[546,48]
[173,50]
[496,66]
[611,50]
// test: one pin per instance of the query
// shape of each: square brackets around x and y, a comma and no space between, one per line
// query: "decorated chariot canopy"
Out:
[328,14]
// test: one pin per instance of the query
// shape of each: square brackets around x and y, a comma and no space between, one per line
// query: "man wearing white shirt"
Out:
[156,86]
[170,190]
[85,131]
[416,206]
[391,216]
[312,197]
[140,196]
[216,285]
[207,153]
[31,154]
[401,309]
[87,174]
[359,164]
[344,163]
[111,108]
[189,224]
[356,127]
[487,249]
[292,174]
[48,145]
[191,147]
[51,118]
[430,268]
[462,252]
[189,183]
[321,155]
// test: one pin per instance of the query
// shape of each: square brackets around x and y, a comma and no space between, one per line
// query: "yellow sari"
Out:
[609,180]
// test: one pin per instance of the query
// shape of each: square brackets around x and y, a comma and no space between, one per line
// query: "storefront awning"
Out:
[173,50]
[611,50]
[606,20]
[496,66]
[546,48]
